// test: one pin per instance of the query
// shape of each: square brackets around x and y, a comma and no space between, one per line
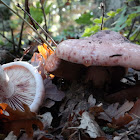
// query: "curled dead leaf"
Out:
[17,120]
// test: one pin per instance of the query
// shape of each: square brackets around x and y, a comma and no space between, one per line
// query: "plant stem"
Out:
[28,25]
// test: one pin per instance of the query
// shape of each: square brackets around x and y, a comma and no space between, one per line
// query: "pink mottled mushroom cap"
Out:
[105,48]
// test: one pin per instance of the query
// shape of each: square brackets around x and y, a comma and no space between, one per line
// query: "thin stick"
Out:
[45,41]
[20,36]
[44,15]
[12,34]
[35,39]
[8,39]
[130,31]
[102,6]
[38,25]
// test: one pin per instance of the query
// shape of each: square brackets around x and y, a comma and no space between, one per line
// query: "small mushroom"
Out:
[20,83]
[105,48]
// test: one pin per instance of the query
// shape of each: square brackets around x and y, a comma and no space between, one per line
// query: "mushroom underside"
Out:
[27,83]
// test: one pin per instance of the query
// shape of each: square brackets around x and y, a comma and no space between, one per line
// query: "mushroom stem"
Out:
[6,86]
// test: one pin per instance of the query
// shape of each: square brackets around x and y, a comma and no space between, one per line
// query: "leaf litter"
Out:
[75,111]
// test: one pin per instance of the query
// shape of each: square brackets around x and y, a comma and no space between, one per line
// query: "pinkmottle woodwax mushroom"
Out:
[106,53]
[20,83]
[105,48]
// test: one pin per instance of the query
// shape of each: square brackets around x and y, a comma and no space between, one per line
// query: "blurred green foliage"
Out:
[127,22]
[37,13]
[69,19]
[85,19]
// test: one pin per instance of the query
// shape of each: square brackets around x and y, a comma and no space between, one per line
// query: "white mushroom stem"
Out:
[6,86]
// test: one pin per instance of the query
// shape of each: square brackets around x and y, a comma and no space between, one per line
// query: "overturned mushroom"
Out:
[106,48]
[20,83]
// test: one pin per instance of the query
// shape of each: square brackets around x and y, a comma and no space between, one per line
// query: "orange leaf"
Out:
[17,120]
[47,49]
[42,51]
[2,107]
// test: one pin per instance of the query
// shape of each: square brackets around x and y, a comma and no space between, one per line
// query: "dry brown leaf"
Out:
[123,120]
[17,120]
[114,111]
[89,125]
[129,94]
[52,92]
[136,108]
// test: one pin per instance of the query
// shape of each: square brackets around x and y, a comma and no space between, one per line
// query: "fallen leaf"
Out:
[46,119]
[43,51]
[122,120]
[91,101]
[11,136]
[52,92]
[114,111]
[129,94]
[39,62]
[17,120]
[89,125]
[136,108]
[2,107]
[49,51]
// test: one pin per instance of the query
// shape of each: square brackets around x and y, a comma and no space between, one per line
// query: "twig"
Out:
[38,25]
[28,10]
[8,39]
[28,25]
[2,23]
[130,31]
[12,34]
[34,38]
[43,11]
[20,37]
[136,36]
[102,6]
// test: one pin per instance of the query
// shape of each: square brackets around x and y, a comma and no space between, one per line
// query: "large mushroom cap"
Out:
[105,48]
[27,83]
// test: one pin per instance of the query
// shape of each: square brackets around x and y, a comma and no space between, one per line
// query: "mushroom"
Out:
[20,83]
[105,48]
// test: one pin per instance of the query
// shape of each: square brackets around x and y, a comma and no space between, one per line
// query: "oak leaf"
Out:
[114,111]
[117,115]
[17,120]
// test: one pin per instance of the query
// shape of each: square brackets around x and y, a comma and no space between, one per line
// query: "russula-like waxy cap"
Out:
[20,83]
[105,48]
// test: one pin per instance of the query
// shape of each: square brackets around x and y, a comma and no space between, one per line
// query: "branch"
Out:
[28,25]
